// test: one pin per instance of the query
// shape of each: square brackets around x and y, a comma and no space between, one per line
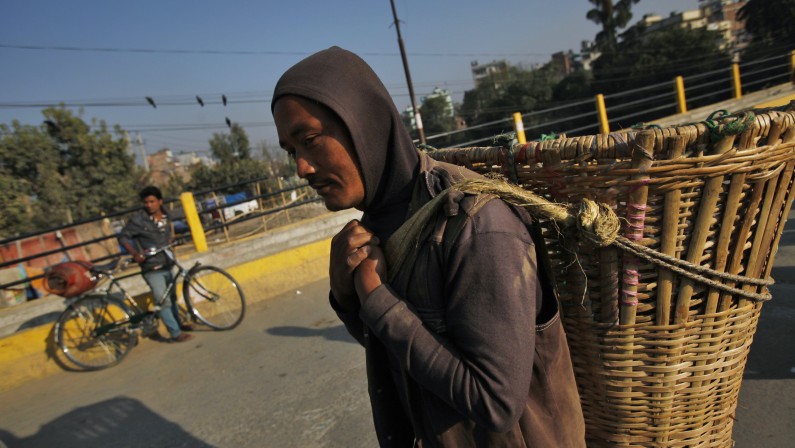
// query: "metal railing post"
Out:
[738,88]
[792,66]
[195,224]
[519,126]
[681,107]
[604,125]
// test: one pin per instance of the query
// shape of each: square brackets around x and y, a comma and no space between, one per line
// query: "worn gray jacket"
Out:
[465,347]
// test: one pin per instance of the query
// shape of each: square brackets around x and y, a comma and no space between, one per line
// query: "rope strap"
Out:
[596,223]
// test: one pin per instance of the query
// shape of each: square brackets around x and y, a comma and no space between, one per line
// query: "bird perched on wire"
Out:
[200,101]
[151,101]
[223,98]
[229,122]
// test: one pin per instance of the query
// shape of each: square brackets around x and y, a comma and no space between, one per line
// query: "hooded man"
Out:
[464,345]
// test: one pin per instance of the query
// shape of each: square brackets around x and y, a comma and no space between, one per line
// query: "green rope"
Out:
[718,130]
[550,136]
[507,139]
[426,148]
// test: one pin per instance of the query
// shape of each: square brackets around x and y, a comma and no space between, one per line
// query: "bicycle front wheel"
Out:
[94,332]
[214,297]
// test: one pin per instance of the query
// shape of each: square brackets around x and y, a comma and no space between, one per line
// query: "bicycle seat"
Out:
[105,268]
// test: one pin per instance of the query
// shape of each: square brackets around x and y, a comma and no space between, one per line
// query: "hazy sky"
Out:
[174,50]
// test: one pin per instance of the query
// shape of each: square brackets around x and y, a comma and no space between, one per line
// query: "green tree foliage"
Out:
[62,171]
[437,118]
[771,24]
[497,97]
[277,161]
[234,164]
[659,57]
[611,16]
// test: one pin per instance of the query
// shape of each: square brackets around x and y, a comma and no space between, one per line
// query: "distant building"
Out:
[163,165]
[714,15]
[443,94]
[721,16]
[408,113]
[588,54]
[565,63]
[484,71]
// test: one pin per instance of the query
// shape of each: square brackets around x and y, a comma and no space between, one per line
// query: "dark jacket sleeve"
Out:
[350,319]
[482,364]
[130,231]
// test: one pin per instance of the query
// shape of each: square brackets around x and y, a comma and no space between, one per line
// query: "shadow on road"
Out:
[120,422]
[772,353]
[784,275]
[338,333]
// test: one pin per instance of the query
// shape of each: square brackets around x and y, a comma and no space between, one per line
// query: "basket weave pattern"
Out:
[658,357]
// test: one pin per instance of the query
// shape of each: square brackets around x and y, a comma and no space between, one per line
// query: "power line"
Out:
[247,52]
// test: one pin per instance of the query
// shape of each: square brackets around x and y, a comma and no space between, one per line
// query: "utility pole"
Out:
[417,117]
[142,148]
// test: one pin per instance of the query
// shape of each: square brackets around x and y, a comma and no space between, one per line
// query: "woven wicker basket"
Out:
[659,356]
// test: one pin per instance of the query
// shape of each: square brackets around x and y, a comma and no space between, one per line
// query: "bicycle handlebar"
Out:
[152,251]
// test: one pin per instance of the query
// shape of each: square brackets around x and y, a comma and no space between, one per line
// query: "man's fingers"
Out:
[358,255]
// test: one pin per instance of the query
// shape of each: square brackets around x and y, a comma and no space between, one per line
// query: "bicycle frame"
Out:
[137,312]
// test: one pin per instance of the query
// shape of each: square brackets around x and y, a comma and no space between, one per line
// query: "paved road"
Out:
[290,376]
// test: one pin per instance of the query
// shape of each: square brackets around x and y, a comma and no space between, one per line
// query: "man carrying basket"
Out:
[463,338]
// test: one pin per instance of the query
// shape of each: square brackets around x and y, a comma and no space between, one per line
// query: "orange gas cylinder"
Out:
[70,278]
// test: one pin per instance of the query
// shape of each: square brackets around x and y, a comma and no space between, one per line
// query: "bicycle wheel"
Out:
[214,297]
[92,332]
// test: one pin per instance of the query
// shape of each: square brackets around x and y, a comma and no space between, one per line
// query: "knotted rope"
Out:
[596,223]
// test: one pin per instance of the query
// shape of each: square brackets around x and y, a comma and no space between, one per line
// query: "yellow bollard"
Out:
[792,66]
[604,126]
[680,95]
[738,88]
[519,126]
[195,224]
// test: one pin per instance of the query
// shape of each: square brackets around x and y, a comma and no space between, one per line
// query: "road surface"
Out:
[290,376]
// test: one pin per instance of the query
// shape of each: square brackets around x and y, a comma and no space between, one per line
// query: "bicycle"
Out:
[100,327]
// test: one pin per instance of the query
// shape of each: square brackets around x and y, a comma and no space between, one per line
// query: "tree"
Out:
[233,162]
[437,118]
[62,171]
[497,97]
[611,16]
[658,57]
[278,162]
[770,22]
[228,148]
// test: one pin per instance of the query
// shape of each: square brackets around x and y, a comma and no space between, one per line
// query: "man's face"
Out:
[152,204]
[322,147]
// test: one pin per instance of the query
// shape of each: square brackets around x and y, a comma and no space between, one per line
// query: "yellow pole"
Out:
[519,126]
[738,88]
[792,66]
[680,95]
[195,224]
[604,126]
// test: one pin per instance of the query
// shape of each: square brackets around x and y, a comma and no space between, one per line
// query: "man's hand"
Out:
[349,247]
[139,257]
[371,272]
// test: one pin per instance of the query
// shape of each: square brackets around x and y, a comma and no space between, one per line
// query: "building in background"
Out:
[163,165]
[483,71]
[444,94]
[721,16]
[588,54]
[714,15]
